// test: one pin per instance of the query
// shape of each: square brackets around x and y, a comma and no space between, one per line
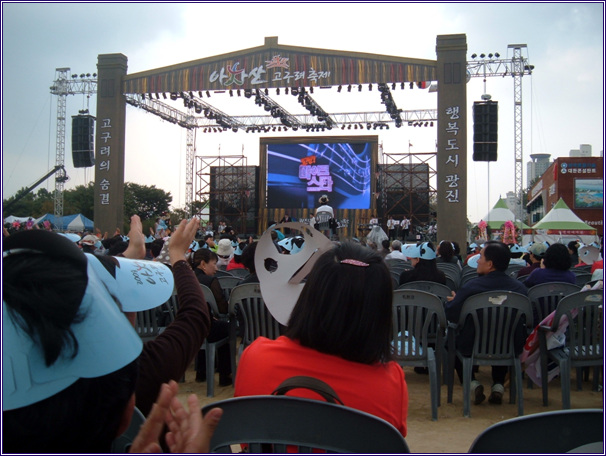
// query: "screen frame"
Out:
[373,140]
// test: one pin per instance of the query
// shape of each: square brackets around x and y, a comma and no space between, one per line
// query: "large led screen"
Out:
[299,173]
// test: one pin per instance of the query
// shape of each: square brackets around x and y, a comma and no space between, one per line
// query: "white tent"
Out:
[12,218]
[560,224]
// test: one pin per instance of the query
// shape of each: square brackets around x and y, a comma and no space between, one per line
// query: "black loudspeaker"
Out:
[83,141]
[485,130]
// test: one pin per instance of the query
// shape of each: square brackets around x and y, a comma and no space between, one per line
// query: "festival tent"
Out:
[74,222]
[77,222]
[500,214]
[12,218]
[560,224]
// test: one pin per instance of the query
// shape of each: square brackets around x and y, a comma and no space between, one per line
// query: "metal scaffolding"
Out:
[228,185]
[407,185]
[66,84]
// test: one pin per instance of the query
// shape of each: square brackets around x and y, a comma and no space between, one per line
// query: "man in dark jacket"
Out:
[493,262]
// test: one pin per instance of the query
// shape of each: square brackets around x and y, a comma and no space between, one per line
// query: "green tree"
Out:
[145,201]
[80,200]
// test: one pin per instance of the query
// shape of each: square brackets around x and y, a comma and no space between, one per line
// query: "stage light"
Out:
[157,96]
[164,95]
[474,55]
[369,87]
[411,85]
[343,127]
[359,87]
[339,89]
[266,91]
[490,55]
[200,93]
[497,55]
[431,124]
[208,94]
[94,75]
[286,90]
[355,126]
[173,96]
[82,75]
[238,92]
[278,91]
[191,94]
[294,91]
[393,86]
[234,129]
[349,88]
[231,93]
[311,89]
[482,55]
[349,127]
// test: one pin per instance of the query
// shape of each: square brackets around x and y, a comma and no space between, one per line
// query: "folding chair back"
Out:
[544,297]
[584,340]
[257,319]
[496,317]
[554,432]
[281,424]
[419,324]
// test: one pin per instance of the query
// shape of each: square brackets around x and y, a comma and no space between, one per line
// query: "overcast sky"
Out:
[563,100]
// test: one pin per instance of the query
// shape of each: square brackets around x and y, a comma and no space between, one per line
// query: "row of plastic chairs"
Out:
[420,324]
[277,424]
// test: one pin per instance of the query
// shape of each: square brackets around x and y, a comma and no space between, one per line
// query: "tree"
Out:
[80,200]
[145,201]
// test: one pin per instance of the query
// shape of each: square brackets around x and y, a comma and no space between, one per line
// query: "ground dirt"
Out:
[452,432]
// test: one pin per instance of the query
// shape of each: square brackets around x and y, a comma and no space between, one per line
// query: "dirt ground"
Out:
[452,433]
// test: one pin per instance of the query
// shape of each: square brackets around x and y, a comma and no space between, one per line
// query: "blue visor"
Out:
[106,342]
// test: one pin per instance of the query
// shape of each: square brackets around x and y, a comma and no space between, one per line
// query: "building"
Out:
[513,203]
[579,181]
[584,151]
[536,167]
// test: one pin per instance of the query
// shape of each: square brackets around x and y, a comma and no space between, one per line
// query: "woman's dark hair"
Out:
[117,248]
[574,246]
[427,270]
[201,255]
[557,257]
[248,257]
[156,247]
[345,309]
[46,292]
[445,251]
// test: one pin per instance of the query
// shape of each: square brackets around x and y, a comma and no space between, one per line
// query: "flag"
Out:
[409,144]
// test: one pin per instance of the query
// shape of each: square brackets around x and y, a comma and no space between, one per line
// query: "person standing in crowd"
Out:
[391,228]
[405,224]
[492,264]
[338,332]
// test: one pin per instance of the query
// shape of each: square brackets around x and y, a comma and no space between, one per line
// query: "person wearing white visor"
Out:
[69,354]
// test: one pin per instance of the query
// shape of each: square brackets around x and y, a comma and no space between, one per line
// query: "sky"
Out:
[562,102]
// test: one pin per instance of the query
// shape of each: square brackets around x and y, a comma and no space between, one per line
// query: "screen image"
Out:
[299,173]
[588,193]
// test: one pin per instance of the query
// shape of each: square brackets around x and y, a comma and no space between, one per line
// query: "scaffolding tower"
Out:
[227,184]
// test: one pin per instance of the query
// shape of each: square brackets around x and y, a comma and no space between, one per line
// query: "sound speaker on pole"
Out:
[485,130]
[83,140]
